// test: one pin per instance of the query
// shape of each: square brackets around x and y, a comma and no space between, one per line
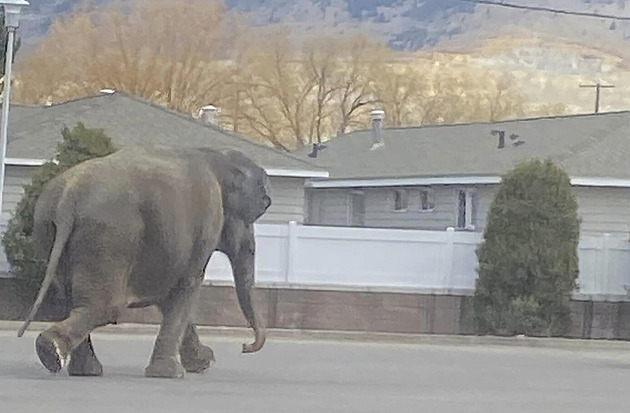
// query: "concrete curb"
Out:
[354,336]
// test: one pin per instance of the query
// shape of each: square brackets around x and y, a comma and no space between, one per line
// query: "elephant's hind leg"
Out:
[55,345]
[176,309]
[83,361]
[98,299]
[195,356]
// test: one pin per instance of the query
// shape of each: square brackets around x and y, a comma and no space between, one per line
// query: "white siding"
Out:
[328,206]
[380,211]
[15,178]
[604,210]
[482,199]
[287,201]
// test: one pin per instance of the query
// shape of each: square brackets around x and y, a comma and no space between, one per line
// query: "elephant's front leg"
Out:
[195,356]
[176,309]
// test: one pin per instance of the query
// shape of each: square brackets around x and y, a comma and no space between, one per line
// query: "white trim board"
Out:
[453,180]
[24,161]
[296,173]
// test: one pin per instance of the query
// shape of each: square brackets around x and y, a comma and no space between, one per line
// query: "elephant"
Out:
[137,228]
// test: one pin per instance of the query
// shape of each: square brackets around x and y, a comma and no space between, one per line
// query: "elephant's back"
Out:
[176,199]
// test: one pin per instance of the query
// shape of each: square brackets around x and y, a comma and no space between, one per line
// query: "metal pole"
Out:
[5,108]
[597,98]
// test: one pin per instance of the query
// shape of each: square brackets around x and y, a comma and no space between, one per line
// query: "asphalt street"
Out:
[325,376]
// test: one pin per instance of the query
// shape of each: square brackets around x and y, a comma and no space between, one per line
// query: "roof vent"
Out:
[316,148]
[515,140]
[377,126]
[501,134]
[513,137]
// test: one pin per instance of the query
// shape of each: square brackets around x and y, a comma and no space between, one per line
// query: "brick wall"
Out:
[351,311]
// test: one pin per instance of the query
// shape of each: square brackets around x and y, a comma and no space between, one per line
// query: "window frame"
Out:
[468,224]
[430,200]
[404,200]
[351,212]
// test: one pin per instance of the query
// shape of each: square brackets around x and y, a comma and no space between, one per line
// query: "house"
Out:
[34,132]
[445,176]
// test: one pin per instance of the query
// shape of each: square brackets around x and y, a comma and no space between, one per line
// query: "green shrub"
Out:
[528,262]
[78,145]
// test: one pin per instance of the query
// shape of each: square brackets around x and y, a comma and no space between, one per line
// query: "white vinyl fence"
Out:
[438,262]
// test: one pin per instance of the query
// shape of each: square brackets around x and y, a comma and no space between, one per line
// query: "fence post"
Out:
[448,256]
[291,248]
[603,277]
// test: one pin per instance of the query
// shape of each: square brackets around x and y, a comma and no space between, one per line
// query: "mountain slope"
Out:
[405,24]
[548,54]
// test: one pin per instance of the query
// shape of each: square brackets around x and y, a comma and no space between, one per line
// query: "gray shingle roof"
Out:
[596,145]
[35,130]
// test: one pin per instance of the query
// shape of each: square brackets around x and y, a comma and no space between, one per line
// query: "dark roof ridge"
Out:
[446,125]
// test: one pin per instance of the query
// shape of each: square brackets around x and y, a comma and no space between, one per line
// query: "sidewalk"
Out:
[6,327]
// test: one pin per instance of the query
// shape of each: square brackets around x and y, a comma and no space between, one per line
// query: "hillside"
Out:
[549,54]
[404,24]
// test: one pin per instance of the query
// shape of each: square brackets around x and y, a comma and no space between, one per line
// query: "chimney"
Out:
[208,113]
[377,133]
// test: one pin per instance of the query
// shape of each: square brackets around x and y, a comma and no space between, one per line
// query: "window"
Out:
[357,209]
[464,209]
[427,202]
[401,200]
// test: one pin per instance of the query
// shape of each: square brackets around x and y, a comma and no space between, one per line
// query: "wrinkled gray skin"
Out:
[137,228]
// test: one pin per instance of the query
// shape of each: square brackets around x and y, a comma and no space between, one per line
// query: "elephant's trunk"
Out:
[259,331]
[244,290]
[242,257]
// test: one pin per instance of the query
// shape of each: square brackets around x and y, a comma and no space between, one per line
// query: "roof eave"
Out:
[296,173]
[278,172]
[453,180]
[24,161]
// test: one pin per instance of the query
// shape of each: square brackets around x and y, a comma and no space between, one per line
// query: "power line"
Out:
[546,9]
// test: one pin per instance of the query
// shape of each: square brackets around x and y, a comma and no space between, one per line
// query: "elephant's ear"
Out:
[237,175]
[236,167]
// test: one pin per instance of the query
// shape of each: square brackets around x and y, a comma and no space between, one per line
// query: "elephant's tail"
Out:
[61,237]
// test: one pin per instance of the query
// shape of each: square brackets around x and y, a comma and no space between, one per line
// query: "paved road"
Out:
[301,376]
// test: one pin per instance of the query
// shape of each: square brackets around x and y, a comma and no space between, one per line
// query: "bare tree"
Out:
[398,89]
[186,54]
[277,94]
[355,92]
[169,52]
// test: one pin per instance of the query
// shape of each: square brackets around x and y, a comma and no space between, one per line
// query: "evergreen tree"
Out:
[528,261]
[78,145]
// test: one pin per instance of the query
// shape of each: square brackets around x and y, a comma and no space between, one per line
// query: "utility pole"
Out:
[597,87]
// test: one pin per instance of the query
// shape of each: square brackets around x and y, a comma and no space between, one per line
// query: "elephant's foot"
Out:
[197,359]
[83,362]
[86,367]
[165,368]
[51,351]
